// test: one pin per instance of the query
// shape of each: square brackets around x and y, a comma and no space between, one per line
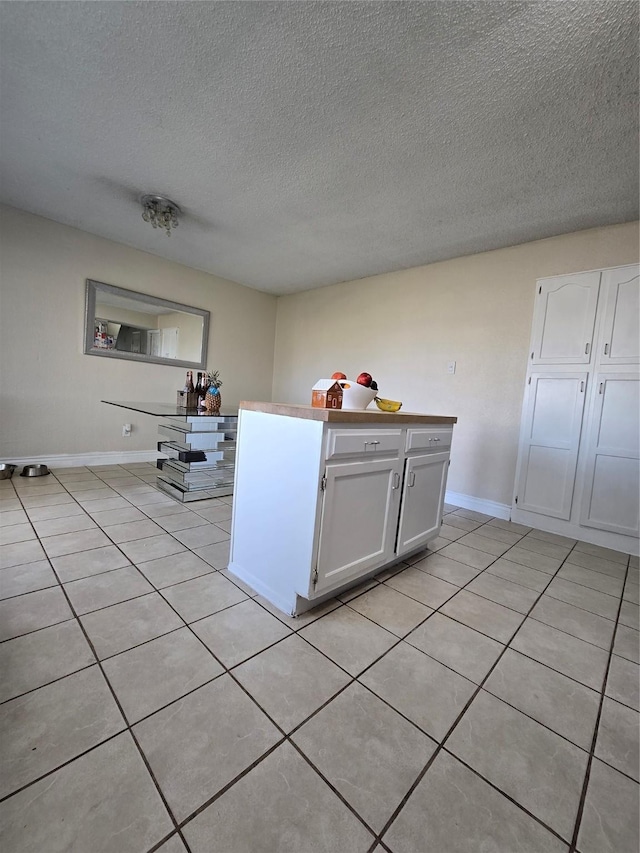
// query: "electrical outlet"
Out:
[451,367]
[126,430]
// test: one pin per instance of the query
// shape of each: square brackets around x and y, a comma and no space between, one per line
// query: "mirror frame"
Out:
[95,287]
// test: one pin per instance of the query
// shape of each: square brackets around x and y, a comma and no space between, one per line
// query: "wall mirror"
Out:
[121,323]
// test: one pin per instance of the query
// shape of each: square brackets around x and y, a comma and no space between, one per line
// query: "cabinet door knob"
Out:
[586,349]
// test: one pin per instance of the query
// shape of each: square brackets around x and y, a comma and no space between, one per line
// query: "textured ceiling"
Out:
[316,142]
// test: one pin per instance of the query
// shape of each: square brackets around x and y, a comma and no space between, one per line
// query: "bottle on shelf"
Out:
[203,391]
[188,387]
[198,388]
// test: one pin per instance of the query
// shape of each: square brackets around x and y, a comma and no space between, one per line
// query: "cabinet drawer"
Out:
[348,442]
[428,439]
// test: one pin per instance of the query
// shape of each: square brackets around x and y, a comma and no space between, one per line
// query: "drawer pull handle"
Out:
[373,443]
[396,481]
[412,479]
[436,439]
[606,349]
[586,349]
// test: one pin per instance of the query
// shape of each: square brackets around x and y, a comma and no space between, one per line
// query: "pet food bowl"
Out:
[6,470]
[355,396]
[34,471]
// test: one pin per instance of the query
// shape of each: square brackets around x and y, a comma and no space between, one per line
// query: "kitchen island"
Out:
[324,498]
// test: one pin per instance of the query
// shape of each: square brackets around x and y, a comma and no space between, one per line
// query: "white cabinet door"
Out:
[550,437]
[359,520]
[612,478]
[620,338]
[564,318]
[425,479]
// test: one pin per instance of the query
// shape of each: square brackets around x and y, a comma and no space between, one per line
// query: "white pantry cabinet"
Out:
[611,499]
[565,319]
[552,423]
[621,317]
[578,470]
[323,498]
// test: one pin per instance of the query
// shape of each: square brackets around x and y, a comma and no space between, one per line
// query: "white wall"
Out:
[50,392]
[116,314]
[404,327]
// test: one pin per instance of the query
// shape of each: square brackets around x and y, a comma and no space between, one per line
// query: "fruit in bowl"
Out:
[339,375]
[365,379]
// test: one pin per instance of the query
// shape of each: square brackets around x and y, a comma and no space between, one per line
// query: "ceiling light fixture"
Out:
[161,212]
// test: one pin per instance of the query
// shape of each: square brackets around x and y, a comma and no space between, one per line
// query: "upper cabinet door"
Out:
[564,319]
[620,338]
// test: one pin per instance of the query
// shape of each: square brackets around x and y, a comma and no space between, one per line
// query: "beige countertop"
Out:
[345,416]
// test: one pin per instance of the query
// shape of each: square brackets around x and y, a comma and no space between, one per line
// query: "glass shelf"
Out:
[169,410]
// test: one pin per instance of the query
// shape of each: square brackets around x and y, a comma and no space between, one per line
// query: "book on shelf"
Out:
[173,450]
[207,441]
[203,423]
[184,495]
[185,473]
[196,480]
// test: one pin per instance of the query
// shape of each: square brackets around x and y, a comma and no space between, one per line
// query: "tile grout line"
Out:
[441,744]
[479,687]
[479,572]
[75,617]
[333,662]
[587,774]
[128,726]
[286,737]
[229,672]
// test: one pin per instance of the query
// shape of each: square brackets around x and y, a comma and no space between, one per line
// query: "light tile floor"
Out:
[484,697]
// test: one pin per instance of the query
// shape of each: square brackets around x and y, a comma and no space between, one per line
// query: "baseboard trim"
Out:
[75,460]
[592,535]
[479,505]
[285,604]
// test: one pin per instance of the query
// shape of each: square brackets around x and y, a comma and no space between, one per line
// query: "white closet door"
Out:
[550,438]
[170,343]
[564,318]
[620,338]
[612,478]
